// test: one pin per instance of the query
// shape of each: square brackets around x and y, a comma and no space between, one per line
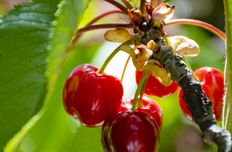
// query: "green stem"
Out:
[140,88]
[124,47]
[227,113]
[124,69]
[140,104]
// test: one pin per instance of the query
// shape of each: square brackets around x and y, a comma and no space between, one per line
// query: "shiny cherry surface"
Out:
[91,97]
[148,106]
[212,81]
[130,131]
[155,87]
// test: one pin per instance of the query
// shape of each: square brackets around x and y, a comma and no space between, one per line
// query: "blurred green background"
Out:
[58,132]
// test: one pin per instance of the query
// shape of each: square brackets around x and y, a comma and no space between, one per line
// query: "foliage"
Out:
[228,74]
[24,37]
[34,65]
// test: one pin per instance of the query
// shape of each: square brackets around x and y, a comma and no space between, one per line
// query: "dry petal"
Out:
[142,57]
[156,3]
[160,73]
[163,12]
[152,46]
[184,46]
[117,35]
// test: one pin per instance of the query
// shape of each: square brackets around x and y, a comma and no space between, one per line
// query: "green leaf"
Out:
[51,2]
[24,38]
[61,133]
[69,15]
[227,119]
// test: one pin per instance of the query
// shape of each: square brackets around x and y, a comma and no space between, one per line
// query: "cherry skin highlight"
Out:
[212,81]
[155,87]
[91,97]
[148,106]
[130,131]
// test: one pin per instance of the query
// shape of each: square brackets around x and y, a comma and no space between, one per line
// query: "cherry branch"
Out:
[195,98]
[198,23]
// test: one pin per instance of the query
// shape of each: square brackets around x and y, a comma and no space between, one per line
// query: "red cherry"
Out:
[91,97]
[149,106]
[155,87]
[212,81]
[130,131]
[152,108]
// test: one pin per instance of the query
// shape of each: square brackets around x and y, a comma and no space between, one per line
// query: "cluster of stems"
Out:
[195,98]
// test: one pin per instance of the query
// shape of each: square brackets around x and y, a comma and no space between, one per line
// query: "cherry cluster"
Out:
[95,99]
[134,124]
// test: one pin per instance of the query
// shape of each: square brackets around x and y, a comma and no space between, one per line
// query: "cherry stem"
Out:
[143,6]
[198,23]
[118,5]
[141,93]
[78,35]
[128,5]
[104,15]
[103,26]
[139,90]
[125,66]
[119,48]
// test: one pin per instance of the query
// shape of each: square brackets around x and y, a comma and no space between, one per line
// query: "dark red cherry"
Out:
[155,87]
[130,131]
[148,106]
[212,81]
[91,97]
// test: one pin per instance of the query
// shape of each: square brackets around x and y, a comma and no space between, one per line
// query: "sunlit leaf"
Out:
[62,133]
[24,38]
[227,120]
[69,15]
